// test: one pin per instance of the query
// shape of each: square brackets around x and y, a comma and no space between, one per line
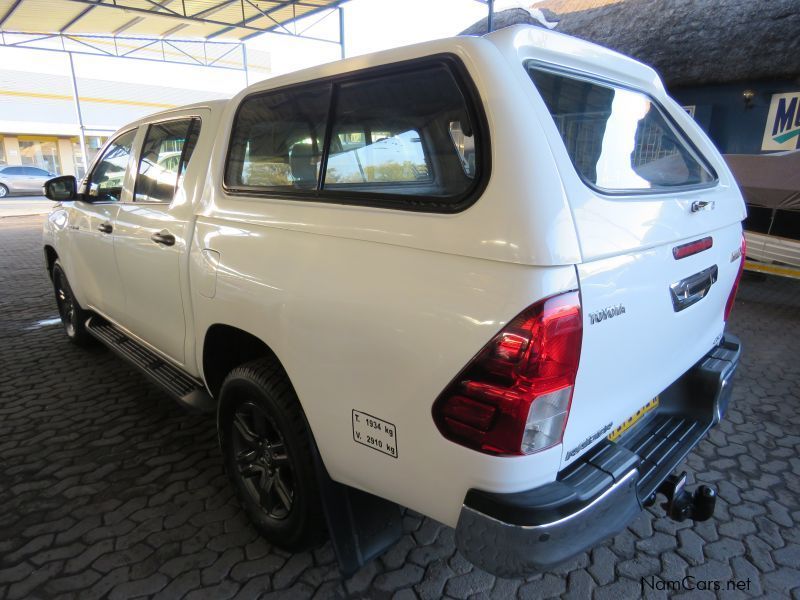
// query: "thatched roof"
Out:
[687,41]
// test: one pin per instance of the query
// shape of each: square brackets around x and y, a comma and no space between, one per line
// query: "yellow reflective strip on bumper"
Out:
[633,419]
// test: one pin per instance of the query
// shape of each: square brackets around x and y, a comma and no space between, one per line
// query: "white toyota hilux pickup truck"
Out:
[483,278]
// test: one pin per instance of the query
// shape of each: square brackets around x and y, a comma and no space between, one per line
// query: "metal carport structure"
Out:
[208,33]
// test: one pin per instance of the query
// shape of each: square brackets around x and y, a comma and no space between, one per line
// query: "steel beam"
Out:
[341,31]
[274,28]
[169,15]
[199,58]
[10,12]
[76,98]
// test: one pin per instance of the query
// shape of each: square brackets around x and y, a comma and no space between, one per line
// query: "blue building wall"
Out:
[721,112]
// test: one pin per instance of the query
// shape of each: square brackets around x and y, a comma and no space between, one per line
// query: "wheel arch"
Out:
[50,257]
[225,347]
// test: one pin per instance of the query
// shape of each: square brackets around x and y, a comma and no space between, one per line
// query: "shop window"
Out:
[40,152]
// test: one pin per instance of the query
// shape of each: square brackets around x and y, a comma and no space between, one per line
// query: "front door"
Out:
[90,264]
[151,236]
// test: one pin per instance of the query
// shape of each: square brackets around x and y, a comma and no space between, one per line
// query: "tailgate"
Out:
[639,336]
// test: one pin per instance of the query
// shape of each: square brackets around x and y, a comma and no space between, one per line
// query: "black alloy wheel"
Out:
[73,317]
[268,453]
[262,460]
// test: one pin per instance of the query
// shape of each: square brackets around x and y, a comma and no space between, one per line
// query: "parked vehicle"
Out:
[21,179]
[483,278]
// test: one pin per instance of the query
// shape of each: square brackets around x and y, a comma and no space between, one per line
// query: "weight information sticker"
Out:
[375,433]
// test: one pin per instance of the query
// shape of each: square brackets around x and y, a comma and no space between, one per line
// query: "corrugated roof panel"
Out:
[153,26]
[38,16]
[284,16]
[101,20]
[201,30]
[156,18]
[232,13]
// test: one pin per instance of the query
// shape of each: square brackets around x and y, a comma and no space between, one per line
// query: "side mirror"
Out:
[61,188]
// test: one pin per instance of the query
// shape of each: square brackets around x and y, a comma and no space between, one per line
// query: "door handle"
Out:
[692,289]
[163,237]
[105,227]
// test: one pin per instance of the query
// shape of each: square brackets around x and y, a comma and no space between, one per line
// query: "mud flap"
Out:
[361,526]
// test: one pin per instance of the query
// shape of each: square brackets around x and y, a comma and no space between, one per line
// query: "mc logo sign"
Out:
[783,123]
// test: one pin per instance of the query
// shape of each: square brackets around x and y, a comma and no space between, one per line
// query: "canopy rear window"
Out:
[619,140]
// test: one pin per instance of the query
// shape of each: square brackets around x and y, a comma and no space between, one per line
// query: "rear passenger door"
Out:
[152,232]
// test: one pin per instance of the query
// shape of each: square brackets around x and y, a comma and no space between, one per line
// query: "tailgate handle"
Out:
[692,289]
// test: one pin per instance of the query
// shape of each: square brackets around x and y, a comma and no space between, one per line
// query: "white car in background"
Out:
[484,278]
[22,179]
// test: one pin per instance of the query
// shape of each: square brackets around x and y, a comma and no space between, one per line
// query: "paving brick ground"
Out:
[109,489]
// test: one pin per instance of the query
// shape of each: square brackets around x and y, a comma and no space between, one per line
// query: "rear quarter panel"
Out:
[381,329]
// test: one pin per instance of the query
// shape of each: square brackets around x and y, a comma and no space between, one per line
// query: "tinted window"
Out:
[13,171]
[166,151]
[33,171]
[377,157]
[277,140]
[392,135]
[619,139]
[108,175]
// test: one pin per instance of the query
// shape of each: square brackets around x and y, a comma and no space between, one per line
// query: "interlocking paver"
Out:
[109,489]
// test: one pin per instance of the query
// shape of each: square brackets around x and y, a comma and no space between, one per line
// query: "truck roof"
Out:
[549,45]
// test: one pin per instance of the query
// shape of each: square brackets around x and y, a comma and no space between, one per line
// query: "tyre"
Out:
[3,191]
[267,450]
[72,315]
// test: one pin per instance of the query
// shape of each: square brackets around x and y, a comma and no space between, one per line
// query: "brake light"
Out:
[684,250]
[514,397]
[732,296]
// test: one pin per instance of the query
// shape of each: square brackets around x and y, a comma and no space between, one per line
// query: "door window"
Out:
[108,176]
[165,154]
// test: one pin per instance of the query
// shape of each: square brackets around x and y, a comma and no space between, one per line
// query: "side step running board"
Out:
[180,385]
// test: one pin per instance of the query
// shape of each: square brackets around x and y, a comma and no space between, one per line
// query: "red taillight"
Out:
[514,396]
[732,296]
[684,250]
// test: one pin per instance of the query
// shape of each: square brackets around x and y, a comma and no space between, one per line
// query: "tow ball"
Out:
[682,505]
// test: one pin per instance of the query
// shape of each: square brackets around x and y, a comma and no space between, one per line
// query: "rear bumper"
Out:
[598,495]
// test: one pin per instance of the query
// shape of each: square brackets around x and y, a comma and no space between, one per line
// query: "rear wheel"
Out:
[267,450]
[73,317]
[3,191]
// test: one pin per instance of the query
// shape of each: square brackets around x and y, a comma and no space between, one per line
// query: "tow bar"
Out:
[682,505]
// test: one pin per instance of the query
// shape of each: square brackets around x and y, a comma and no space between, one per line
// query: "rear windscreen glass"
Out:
[618,139]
